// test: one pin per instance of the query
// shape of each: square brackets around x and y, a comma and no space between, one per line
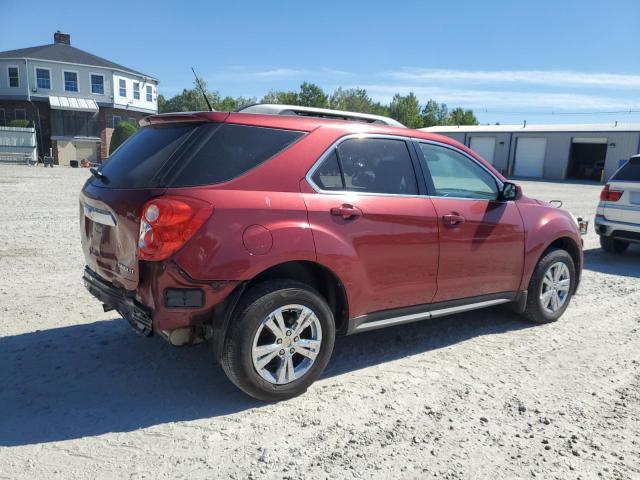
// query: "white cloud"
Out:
[538,77]
[513,100]
[246,74]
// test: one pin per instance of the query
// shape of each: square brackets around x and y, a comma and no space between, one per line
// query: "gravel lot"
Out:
[478,395]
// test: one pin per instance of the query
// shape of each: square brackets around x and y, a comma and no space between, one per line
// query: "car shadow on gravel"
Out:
[371,348]
[91,379]
[625,264]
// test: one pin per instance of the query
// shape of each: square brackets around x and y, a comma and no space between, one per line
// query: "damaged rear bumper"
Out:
[121,300]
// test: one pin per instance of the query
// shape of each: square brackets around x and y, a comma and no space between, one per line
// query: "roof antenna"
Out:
[199,85]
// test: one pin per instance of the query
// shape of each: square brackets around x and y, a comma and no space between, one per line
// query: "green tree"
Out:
[460,116]
[311,95]
[434,113]
[406,110]
[192,100]
[355,100]
[122,131]
[280,97]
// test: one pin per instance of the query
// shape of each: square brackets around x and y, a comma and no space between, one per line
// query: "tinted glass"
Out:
[137,161]
[377,165]
[224,153]
[328,176]
[630,172]
[456,175]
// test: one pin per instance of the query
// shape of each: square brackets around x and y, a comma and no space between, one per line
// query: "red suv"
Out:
[266,232]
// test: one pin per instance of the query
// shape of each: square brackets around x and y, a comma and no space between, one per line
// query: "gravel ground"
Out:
[478,395]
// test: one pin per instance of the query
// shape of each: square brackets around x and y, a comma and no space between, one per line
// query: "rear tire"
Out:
[551,287]
[293,357]
[613,245]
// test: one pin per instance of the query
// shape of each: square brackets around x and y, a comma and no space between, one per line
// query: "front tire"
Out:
[551,287]
[613,245]
[280,340]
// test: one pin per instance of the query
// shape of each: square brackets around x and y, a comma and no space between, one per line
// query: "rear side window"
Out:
[369,165]
[184,155]
[226,152]
[137,161]
[630,171]
[328,175]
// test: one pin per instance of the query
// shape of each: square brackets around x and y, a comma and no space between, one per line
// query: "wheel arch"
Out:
[569,245]
[313,274]
[318,277]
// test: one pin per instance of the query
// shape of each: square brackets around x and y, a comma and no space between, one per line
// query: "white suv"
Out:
[618,216]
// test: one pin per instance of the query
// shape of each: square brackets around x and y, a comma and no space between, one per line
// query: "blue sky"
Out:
[507,60]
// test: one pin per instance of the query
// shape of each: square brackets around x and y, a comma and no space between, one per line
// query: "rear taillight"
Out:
[167,223]
[609,195]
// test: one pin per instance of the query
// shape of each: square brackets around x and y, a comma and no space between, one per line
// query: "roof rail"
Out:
[272,109]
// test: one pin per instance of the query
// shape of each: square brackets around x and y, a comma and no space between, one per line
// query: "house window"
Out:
[149,93]
[136,91]
[14,77]
[3,119]
[116,120]
[43,78]
[97,84]
[20,114]
[70,81]
[122,84]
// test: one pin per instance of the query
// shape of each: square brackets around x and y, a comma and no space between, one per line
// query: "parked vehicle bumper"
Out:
[628,232]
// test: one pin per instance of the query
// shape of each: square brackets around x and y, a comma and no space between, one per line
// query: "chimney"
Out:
[60,37]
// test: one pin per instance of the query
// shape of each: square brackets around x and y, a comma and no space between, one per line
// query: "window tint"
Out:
[456,175]
[377,165]
[630,172]
[221,154]
[137,161]
[328,176]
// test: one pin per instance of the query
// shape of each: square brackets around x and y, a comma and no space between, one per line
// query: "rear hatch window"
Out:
[190,154]
[630,171]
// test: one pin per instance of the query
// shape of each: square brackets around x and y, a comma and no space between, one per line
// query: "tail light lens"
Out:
[609,195]
[167,223]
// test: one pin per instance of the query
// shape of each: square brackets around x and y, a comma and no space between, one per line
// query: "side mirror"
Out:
[510,191]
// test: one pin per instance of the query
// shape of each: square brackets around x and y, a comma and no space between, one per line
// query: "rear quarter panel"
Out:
[221,250]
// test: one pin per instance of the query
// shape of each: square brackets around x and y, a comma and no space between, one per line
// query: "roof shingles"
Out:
[60,52]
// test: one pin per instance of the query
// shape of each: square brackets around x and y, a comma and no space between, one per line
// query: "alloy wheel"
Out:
[286,344]
[554,290]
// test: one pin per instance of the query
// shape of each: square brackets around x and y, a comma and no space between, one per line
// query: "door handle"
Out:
[453,219]
[346,211]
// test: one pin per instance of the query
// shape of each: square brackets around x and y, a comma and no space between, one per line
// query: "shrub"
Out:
[19,123]
[123,131]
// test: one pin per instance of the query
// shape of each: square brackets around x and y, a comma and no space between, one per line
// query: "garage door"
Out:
[530,157]
[484,146]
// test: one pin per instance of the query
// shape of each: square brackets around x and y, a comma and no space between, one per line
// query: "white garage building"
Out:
[555,152]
